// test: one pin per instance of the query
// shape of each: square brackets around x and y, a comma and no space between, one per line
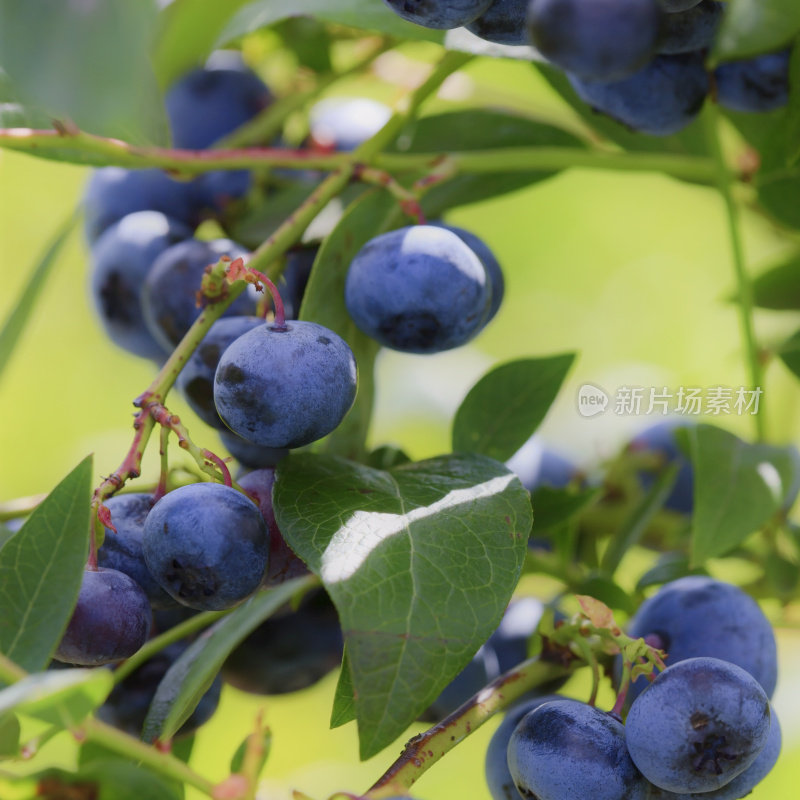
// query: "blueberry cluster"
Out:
[641,62]
[703,727]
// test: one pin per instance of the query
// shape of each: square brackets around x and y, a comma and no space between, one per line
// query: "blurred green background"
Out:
[630,271]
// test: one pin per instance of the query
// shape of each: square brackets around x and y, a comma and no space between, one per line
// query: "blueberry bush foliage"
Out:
[258,240]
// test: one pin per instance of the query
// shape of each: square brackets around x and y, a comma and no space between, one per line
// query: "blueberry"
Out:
[418,289]
[700,616]
[439,14]
[121,259]
[207,545]
[503,22]
[660,440]
[694,29]
[123,550]
[498,776]
[253,456]
[196,379]
[564,750]
[343,123]
[604,40]
[494,272]
[283,563]
[285,387]
[110,622]
[169,294]
[746,781]
[537,465]
[698,725]
[210,102]
[127,705]
[660,99]
[112,193]
[290,651]
[755,84]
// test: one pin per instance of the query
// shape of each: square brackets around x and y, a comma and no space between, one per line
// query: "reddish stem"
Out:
[221,465]
[280,314]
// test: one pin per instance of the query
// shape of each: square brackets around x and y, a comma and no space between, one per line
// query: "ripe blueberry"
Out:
[603,40]
[698,725]
[110,622]
[123,550]
[419,289]
[700,616]
[169,294]
[207,545]
[285,387]
[563,750]
[121,259]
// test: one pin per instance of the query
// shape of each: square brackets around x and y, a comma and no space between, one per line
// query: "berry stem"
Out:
[424,750]
[724,182]
[280,314]
[84,148]
[407,199]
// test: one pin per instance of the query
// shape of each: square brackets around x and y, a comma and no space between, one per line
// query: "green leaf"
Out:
[87,62]
[60,697]
[738,487]
[14,325]
[188,679]
[503,409]
[789,353]
[237,761]
[778,288]
[41,569]
[373,213]
[369,16]
[344,704]
[9,736]
[752,27]
[552,507]
[13,114]
[479,129]
[187,31]
[420,561]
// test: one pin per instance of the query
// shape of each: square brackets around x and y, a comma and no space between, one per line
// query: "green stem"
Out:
[724,181]
[537,159]
[83,148]
[137,751]
[423,751]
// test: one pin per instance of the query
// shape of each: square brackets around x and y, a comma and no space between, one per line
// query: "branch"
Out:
[423,751]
